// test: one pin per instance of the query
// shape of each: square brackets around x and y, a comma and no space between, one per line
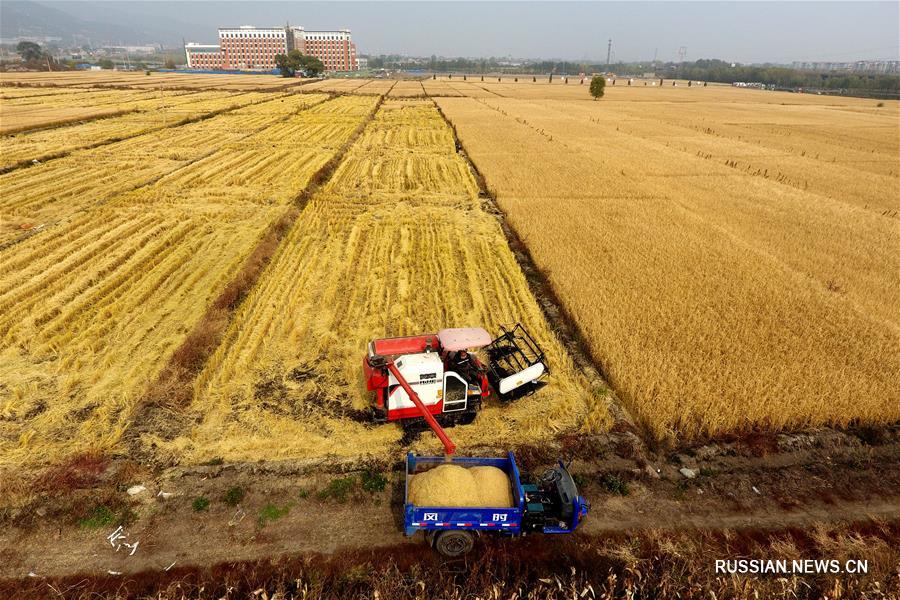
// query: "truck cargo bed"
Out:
[502,519]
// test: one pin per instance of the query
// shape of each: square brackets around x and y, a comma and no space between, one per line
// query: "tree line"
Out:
[722,72]
[712,70]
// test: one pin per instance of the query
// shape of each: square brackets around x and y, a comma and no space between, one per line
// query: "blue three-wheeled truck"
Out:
[549,505]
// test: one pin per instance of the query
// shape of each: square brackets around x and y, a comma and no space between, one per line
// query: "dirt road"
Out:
[283,513]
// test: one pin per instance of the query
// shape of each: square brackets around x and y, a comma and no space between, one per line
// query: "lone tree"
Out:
[29,51]
[295,61]
[286,64]
[311,65]
[598,85]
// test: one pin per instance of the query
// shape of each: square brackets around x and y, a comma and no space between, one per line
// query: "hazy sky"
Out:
[738,31]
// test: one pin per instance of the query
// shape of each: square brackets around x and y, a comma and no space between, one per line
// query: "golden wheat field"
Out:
[43,195]
[95,303]
[730,255]
[160,110]
[139,79]
[395,244]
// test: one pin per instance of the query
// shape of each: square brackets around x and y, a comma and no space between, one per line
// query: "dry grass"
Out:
[396,243]
[627,566]
[716,297]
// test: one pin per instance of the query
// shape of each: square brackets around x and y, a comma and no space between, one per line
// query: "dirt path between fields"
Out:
[284,512]
[188,539]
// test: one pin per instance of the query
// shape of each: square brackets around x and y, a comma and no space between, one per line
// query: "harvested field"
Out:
[128,79]
[729,255]
[375,86]
[396,243]
[47,193]
[93,308]
[142,117]
[189,287]
[336,85]
[407,88]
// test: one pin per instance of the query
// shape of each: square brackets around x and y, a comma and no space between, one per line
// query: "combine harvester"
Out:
[434,379]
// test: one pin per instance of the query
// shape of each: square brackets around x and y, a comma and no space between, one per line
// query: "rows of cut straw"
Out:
[715,299]
[46,194]
[24,113]
[164,110]
[361,262]
[407,88]
[139,80]
[90,312]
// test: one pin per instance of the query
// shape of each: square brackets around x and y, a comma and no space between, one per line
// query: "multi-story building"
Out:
[204,56]
[334,48]
[254,48]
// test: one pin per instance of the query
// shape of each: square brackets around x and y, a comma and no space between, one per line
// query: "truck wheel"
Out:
[454,543]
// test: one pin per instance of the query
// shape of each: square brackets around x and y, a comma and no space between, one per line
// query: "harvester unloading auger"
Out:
[438,378]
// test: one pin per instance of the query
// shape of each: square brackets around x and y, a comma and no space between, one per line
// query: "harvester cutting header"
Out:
[439,379]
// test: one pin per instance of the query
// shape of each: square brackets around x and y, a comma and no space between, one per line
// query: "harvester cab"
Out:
[438,376]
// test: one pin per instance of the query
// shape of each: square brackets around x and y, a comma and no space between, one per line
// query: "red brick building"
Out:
[204,56]
[253,49]
[249,48]
[334,48]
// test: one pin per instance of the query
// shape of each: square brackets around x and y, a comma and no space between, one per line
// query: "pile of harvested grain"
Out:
[493,485]
[452,485]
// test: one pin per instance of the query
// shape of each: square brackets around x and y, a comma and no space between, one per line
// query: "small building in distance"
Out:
[249,48]
[204,56]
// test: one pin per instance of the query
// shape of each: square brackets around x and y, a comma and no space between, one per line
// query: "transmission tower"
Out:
[682,52]
[608,51]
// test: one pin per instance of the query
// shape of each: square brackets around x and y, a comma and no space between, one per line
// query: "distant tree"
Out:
[312,65]
[287,66]
[598,85]
[29,51]
[169,63]
[105,63]
[295,61]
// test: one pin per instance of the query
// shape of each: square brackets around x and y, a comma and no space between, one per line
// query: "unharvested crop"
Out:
[729,270]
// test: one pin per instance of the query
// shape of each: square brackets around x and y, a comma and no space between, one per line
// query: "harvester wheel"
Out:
[467,417]
[454,543]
